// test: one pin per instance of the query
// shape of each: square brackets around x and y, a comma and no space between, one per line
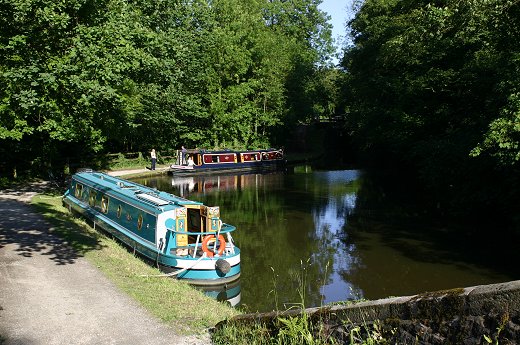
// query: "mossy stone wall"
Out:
[473,315]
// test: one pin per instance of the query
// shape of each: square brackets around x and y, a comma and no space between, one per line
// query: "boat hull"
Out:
[223,168]
[197,271]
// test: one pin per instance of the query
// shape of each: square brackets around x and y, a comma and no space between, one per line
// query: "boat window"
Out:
[78,193]
[92,198]
[214,159]
[194,220]
[104,203]
[139,222]
[119,211]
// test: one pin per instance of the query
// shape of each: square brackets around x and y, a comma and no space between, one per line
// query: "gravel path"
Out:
[51,295]
[137,171]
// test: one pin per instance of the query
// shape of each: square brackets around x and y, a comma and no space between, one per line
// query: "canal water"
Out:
[309,238]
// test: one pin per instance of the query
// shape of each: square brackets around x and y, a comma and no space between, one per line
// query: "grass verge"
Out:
[120,162]
[301,330]
[172,301]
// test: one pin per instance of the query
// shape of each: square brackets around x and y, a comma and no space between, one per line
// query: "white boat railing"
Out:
[223,229]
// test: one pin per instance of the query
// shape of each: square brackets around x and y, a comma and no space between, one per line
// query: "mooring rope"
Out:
[173,273]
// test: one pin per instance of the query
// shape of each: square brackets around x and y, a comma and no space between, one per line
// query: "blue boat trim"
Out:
[166,229]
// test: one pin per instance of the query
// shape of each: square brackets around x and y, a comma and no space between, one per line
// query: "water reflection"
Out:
[330,221]
[313,238]
[228,293]
[202,184]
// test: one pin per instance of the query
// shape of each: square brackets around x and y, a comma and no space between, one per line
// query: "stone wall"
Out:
[457,316]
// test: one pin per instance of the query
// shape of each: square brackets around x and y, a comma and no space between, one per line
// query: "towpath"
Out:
[51,295]
[137,171]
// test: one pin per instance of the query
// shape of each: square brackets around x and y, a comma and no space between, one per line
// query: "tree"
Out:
[426,81]
[264,51]
[85,78]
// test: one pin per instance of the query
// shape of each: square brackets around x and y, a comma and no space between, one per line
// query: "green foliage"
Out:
[369,334]
[434,86]
[296,330]
[301,329]
[502,138]
[83,77]
[252,71]
[121,162]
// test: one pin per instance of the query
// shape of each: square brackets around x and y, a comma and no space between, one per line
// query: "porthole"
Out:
[92,198]
[104,203]
[79,191]
[139,222]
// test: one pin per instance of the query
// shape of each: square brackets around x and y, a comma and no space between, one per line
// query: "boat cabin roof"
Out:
[223,151]
[143,195]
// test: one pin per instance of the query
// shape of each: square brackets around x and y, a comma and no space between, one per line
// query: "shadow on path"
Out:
[50,295]
[31,235]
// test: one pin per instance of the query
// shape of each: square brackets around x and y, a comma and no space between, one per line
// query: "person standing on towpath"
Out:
[153,156]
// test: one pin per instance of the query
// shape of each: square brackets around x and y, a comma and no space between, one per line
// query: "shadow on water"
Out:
[434,252]
[317,237]
[406,223]
[32,235]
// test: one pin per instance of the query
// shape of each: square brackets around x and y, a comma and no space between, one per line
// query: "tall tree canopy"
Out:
[434,85]
[81,76]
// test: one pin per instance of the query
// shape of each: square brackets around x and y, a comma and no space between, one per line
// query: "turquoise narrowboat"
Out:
[185,238]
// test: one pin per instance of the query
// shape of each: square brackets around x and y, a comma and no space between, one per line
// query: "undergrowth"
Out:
[299,329]
[120,162]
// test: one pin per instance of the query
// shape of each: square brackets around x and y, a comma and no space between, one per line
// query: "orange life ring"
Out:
[221,241]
